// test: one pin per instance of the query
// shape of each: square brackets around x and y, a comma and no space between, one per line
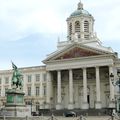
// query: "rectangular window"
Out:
[6,89]
[0,91]
[29,91]
[29,78]
[44,76]
[37,106]
[6,80]
[37,77]
[0,81]
[44,90]
[37,91]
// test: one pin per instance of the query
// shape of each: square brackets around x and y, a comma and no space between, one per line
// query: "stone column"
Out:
[91,28]
[73,31]
[98,101]
[68,31]
[76,97]
[70,106]
[112,97]
[85,103]
[48,90]
[58,106]
[82,29]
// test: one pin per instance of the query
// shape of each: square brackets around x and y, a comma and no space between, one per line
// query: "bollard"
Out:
[4,117]
[41,116]
[52,117]
[26,117]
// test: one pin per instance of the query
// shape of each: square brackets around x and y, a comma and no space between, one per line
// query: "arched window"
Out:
[86,29]
[77,26]
[86,26]
[70,30]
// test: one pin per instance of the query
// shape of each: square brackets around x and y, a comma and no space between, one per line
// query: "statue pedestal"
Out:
[15,105]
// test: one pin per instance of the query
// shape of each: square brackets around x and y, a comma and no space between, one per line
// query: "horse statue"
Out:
[16,77]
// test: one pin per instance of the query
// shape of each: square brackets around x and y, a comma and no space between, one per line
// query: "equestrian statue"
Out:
[16,77]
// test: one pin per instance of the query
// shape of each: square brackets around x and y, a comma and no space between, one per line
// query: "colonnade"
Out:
[98,104]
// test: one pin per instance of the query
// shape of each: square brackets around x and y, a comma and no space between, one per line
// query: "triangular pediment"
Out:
[74,51]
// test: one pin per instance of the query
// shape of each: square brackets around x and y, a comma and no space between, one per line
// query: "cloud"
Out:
[22,17]
[19,18]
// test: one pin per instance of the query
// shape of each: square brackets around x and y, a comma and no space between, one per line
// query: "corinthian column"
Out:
[85,103]
[98,101]
[58,106]
[70,106]
[112,96]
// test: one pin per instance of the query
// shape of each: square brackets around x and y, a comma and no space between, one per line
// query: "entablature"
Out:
[92,61]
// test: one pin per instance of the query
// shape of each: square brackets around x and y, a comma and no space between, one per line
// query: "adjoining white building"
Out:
[76,75]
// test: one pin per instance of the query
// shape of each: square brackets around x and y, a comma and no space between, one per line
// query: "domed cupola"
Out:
[80,24]
[80,11]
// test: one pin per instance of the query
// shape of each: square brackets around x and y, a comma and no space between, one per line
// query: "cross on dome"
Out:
[80,5]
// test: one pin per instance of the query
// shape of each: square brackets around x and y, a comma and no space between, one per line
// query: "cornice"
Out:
[24,70]
[83,58]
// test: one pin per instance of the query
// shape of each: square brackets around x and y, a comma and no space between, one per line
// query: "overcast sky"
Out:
[29,28]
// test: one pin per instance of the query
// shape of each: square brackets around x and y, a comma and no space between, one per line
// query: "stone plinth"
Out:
[15,105]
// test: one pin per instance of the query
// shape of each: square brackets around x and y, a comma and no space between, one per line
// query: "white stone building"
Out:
[76,75]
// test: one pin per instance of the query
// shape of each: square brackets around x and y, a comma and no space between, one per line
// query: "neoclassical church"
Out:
[75,76]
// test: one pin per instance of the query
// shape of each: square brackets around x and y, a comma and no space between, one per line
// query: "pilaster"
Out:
[47,105]
[41,90]
[82,29]
[32,85]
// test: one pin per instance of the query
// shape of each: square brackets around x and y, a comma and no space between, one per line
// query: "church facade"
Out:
[75,76]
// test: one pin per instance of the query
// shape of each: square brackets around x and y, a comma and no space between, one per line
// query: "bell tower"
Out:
[80,25]
[80,29]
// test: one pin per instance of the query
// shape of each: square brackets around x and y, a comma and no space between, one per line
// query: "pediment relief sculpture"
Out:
[76,53]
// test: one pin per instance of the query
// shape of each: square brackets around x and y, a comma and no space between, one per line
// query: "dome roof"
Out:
[80,12]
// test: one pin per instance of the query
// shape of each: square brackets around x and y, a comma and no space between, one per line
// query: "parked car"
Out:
[34,114]
[70,114]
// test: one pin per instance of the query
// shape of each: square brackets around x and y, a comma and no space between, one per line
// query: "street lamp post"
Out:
[116,83]
[31,107]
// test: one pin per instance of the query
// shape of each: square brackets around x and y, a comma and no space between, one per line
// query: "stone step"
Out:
[89,112]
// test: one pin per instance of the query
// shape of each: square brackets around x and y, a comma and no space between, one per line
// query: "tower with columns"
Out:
[80,25]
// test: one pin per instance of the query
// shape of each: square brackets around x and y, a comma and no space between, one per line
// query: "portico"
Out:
[82,80]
